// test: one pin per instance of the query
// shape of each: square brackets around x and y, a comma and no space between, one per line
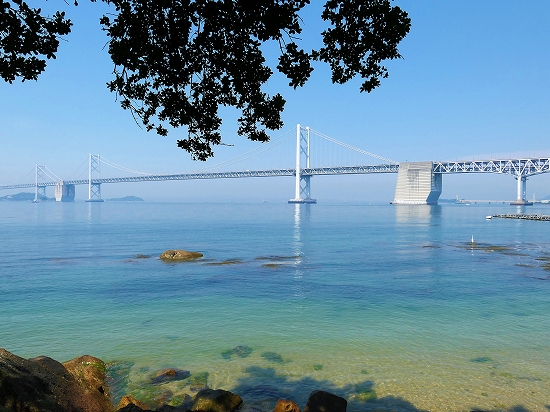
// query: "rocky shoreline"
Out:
[81,385]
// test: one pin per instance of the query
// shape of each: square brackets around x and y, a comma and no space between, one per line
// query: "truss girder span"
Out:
[515,167]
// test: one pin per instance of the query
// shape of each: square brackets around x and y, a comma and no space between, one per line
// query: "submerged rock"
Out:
[45,385]
[242,351]
[321,401]
[272,357]
[210,400]
[198,381]
[168,375]
[179,255]
[481,359]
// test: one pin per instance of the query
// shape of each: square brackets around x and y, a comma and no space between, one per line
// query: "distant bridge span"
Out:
[417,182]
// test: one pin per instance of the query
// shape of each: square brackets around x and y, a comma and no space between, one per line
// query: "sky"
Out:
[473,83]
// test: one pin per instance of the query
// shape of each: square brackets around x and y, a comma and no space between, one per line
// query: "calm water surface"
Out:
[388,306]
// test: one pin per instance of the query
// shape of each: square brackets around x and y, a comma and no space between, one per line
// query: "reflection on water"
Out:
[94,212]
[302,213]
[416,213]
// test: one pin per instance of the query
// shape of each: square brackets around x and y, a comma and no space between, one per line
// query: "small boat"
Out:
[488,217]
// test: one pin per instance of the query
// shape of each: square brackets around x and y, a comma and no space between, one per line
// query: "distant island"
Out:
[24,197]
[125,199]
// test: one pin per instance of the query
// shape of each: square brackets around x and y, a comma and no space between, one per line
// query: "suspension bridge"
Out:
[417,182]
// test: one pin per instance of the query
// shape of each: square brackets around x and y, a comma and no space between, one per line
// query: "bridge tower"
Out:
[39,187]
[303,180]
[94,187]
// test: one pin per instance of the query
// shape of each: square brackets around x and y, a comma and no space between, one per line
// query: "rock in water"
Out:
[169,375]
[216,400]
[284,405]
[242,351]
[45,385]
[321,401]
[129,400]
[179,254]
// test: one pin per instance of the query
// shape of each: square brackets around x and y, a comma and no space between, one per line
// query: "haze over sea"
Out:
[387,306]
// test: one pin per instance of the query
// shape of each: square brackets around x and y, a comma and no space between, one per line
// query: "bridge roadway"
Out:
[384,168]
[521,168]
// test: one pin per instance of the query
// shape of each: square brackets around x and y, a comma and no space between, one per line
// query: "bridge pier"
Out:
[64,192]
[417,184]
[522,192]
[303,183]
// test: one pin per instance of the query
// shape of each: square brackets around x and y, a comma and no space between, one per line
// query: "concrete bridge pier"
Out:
[417,184]
[522,192]
[64,192]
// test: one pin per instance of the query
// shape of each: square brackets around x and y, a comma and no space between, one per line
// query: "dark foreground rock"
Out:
[216,400]
[179,255]
[284,405]
[45,385]
[321,401]
[134,404]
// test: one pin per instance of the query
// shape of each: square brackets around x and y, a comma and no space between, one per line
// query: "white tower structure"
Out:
[303,179]
[94,187]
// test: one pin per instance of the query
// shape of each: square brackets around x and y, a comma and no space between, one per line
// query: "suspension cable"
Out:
[83,163]
[249,154]
[55,177]
[125,169]
[347,146]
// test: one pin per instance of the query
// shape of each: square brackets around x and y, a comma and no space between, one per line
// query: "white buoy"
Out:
[473,239]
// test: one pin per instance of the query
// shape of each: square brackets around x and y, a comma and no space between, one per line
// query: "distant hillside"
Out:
[24,197]
[125,199]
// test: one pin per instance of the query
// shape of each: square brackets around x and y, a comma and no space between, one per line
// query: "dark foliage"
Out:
[26,39]
[178,61]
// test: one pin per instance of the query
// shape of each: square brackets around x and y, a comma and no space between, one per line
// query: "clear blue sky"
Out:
[474,82]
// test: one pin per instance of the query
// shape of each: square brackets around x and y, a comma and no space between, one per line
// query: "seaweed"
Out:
[272,265]
[198,381]
[117,376]
[225,262]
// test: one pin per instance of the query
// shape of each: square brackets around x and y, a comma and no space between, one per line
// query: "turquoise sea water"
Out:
[387,306]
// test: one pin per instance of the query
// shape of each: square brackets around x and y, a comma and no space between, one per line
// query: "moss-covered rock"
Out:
[179,255]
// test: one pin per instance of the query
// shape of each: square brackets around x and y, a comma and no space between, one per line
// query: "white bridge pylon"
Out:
[303,174]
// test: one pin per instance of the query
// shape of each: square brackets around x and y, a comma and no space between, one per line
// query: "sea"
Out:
[393,307]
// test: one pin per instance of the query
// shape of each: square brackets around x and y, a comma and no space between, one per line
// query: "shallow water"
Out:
[388,306]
